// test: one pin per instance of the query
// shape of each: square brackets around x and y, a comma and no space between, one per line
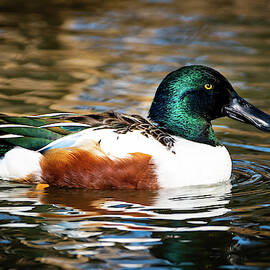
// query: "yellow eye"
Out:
[208,86]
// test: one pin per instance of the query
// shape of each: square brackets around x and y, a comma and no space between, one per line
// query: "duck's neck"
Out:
[195,129]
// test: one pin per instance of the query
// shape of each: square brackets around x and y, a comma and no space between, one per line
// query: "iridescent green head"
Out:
[189,98]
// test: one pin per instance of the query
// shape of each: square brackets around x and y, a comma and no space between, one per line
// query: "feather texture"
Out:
[35,132]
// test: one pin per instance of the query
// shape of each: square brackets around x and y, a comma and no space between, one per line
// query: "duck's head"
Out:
[189,98]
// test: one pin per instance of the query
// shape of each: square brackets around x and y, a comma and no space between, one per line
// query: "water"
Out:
[110,55]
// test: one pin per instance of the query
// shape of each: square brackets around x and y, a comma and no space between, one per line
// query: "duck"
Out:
[174,146]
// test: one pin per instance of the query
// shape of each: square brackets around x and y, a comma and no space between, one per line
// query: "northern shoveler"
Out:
[175,146]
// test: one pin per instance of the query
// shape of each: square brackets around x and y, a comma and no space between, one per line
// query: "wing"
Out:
[36,132]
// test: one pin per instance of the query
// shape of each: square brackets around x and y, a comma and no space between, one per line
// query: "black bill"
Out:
[239,109]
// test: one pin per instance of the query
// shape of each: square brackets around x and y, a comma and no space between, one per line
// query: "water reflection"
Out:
[93,222]
[88,55]
[179,204]
[174,225]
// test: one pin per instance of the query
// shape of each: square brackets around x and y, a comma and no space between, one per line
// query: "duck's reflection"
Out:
[178,225]
[172,204]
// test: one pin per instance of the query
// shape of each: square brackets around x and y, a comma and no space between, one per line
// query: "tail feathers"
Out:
[19,163]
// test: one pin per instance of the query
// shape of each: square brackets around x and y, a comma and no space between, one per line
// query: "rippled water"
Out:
[110,55]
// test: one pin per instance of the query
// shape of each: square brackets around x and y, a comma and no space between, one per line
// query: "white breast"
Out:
[193,164]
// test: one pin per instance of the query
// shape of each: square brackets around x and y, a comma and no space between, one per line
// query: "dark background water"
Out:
[111,55]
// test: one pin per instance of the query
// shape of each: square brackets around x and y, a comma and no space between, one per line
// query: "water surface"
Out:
[86,56]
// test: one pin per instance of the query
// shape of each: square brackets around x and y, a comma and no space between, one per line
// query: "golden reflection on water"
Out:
[113,56]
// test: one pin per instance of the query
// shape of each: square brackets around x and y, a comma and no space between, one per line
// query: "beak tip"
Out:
[265,127]
[241,110]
